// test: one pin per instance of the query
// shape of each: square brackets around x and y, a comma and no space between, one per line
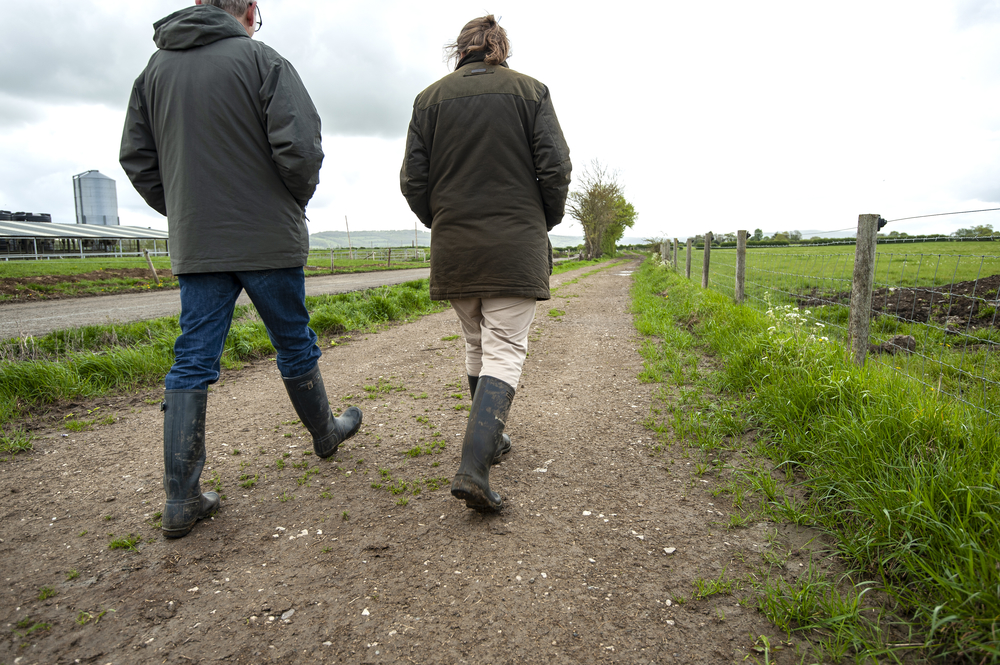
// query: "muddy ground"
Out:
[593,558]
[962,306]
[118,280]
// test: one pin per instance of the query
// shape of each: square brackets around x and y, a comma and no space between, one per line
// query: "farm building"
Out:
[96,199]
[34,240]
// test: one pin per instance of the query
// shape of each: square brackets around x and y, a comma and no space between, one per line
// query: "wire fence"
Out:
[386,255]
[931,316]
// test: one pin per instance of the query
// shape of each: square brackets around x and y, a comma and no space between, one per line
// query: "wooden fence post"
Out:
[707,259]
[741,266]
[149,261]
[675,254]
[859,321]
[388,260]
[690,250]
[332,266]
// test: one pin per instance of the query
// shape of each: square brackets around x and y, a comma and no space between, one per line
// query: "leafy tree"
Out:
[625,216]
[758,235]
[601,209]
[795,236]
[783,235]
[974,231]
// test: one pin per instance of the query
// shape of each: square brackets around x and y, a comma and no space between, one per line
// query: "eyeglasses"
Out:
[259,22]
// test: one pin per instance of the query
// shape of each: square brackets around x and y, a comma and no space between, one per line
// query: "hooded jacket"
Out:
[488,170]
[222,138]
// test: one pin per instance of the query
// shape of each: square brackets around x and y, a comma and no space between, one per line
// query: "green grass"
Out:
[566,266]
[99,360]
[128,542]
[903,477]
[14,442]
[77,266]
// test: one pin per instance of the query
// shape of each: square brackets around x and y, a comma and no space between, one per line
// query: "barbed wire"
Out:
[942,214]
[901,219]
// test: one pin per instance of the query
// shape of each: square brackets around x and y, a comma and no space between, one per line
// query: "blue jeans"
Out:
[207,302]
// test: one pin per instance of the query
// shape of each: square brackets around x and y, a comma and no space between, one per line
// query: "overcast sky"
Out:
[778,115]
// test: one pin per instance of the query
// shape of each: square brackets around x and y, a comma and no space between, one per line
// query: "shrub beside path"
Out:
[366,557]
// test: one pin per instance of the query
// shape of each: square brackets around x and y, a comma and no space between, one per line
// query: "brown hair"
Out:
[481,34]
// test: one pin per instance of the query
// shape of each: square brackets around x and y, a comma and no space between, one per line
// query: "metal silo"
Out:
[96,199]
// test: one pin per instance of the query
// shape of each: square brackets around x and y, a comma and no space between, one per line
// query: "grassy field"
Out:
[39,279]
[905,479]
[830,268]
[76,266]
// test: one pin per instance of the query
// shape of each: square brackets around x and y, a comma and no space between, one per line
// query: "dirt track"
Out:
[319,561]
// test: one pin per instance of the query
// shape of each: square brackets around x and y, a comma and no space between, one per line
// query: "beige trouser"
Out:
[496,335]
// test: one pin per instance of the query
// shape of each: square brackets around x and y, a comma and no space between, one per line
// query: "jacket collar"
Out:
[475,56]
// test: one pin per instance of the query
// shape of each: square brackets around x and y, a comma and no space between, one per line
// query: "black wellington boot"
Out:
[483,437]
[183,460]
[308,395]
[504,447]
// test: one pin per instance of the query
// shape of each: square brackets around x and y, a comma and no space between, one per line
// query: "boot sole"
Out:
[177,533]
[462,487]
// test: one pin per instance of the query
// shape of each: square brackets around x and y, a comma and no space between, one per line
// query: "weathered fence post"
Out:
[859,321]
[388,260]
[350,247]
[332,266]
[690,250]
[149,261]
[706,260]
[675,254]
[741,266]
[663,251]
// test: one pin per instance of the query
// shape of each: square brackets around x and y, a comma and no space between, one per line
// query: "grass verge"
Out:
[98,360]
[904,479]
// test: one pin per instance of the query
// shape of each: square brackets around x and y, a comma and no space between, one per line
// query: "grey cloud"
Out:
[89,52]
[66,53]
[362,68]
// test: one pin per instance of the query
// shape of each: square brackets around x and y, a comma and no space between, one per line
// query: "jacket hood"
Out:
[195,26]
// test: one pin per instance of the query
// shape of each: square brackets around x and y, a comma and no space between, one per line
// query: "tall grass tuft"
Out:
[905,478]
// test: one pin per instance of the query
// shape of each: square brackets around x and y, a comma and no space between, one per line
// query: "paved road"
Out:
[39,318]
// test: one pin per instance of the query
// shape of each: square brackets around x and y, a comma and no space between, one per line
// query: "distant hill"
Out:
[338,239]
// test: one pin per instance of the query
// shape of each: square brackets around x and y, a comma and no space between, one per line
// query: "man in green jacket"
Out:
[222,138]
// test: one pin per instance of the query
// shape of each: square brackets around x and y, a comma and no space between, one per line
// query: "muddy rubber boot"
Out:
[505,442]
[183,460]
[483,437]
[308,395]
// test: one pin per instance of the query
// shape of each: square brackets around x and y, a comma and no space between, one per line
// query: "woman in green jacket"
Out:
[487,170]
